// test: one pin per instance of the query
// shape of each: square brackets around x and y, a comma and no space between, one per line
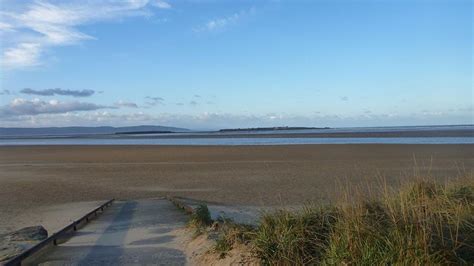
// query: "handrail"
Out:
[180,204]
[54,237]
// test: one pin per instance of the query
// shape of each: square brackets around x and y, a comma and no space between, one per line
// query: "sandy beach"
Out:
[40,182]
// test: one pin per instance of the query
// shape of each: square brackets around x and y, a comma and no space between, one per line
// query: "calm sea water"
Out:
[243,140]
[236,141]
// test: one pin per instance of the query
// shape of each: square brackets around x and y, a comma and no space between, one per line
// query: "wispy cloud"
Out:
[58,91]
[161,4]
[22,55]
[126,104]
[152,100]
[219,24]
[39,25]
[344,98]
[6,27]
[4,92]
[21,107]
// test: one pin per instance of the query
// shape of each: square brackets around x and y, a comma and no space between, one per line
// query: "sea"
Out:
[459,134]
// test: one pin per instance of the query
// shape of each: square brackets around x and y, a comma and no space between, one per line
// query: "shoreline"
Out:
[231,134]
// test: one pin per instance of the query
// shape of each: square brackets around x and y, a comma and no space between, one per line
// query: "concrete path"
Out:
[141,232]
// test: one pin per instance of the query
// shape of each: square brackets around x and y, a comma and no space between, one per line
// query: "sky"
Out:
[224,64]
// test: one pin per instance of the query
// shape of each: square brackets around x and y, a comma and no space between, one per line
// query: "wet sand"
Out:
[35,178]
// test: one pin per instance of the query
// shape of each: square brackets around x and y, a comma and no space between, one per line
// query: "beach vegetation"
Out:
[200,219]
[231,234]
[423,222]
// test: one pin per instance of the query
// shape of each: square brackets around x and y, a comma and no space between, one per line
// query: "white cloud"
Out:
[5,27]
[221,23]
[161,4]
[44,25]
[22,55]
[22,107]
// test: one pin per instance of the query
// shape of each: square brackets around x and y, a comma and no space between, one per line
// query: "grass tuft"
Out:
[200,219]
[230,234]
[289,238]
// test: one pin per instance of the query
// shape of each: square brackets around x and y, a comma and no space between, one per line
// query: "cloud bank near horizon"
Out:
[19,107]
[58,91]
[37,113]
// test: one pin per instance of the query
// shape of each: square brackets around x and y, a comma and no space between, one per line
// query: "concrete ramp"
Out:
[139,232]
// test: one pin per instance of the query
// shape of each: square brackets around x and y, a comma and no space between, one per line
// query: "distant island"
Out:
[145,132]
[269,129]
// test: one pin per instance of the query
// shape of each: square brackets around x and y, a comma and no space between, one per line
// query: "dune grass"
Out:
[200,219]
[230,234]
[424,223]
[201,216]
[421,223]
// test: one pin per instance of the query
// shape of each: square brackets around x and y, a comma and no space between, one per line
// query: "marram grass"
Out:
[422,223]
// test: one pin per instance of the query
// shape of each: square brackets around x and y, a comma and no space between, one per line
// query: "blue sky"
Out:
[212,64]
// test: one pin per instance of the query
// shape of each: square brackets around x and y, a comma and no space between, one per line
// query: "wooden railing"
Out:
[54,238]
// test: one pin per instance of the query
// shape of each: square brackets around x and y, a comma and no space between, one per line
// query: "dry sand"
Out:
[35,179]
